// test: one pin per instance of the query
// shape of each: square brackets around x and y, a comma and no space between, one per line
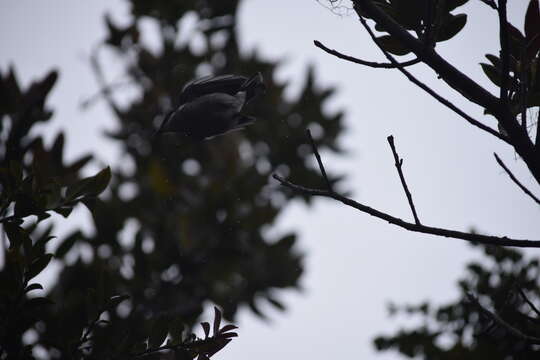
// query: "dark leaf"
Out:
[491,73]
[67,244]
[16,234]
[64,210]
[392,45]
[228,335]
[37,302]
[217,320]
[228,328]
[37,266]
[34,286]
[206,328]
[532,20]
[452,26]
[159,332]
[115,301]
[276,304]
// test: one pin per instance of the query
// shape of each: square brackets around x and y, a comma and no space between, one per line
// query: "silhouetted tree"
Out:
[495,299]
[181,224]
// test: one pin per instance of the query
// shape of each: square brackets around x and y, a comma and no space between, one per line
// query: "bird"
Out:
[212,106]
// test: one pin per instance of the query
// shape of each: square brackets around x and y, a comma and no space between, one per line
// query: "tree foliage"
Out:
[178,225]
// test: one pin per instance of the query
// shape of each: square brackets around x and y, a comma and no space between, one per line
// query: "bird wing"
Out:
[228,84]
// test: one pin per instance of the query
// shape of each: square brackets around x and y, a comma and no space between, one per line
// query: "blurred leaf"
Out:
[32,303]
[37,266]
[90,186]
[32,287]
[114,301]
[159,332]
[64,210]
[67,244]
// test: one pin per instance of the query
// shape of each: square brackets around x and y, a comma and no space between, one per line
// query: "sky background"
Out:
[355,264]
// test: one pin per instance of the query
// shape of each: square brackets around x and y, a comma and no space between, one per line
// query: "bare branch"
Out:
[457,80]
[364,62]
[529,302]
[476,238]
[431,92]
[319,161]
[399,163]
[100,77]
[499,321]
[515,180]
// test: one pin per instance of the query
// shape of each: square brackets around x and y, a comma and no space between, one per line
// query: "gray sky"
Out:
[448,164]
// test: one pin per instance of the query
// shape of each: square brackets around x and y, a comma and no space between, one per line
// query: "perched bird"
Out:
[212,105]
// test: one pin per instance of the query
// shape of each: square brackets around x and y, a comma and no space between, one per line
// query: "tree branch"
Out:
[399,163]
[431,92]
[499,321]
[457,80]
[363,62]
[319,161]
[515,180]
[505,52]
[416,227]
[476,238]
[529,302]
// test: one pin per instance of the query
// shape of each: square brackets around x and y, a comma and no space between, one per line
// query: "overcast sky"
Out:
[448,164]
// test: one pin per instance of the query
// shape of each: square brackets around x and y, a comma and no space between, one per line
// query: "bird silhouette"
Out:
[212,105]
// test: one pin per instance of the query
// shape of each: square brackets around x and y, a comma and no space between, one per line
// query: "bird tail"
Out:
[253,86]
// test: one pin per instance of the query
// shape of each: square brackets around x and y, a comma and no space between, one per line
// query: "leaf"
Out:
[90,186]
[176,328]
[453,4]
[206,328]
[64,210]
[392,45]
[532,20]
[37,302]
[276,303]
[228,328]
[25,205]
[492,73]
[37,266]
[227,335]
[453,25]
[114,301]
[217,320]
[159,332]
[67,244]
[32,287]
[16,235]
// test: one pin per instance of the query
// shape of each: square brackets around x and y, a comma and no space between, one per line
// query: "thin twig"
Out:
[100,77]
[430,91]
[515,180]
[363,62]
[531,305]
[399,163]
[319,161]
[473,237]
[497,319]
